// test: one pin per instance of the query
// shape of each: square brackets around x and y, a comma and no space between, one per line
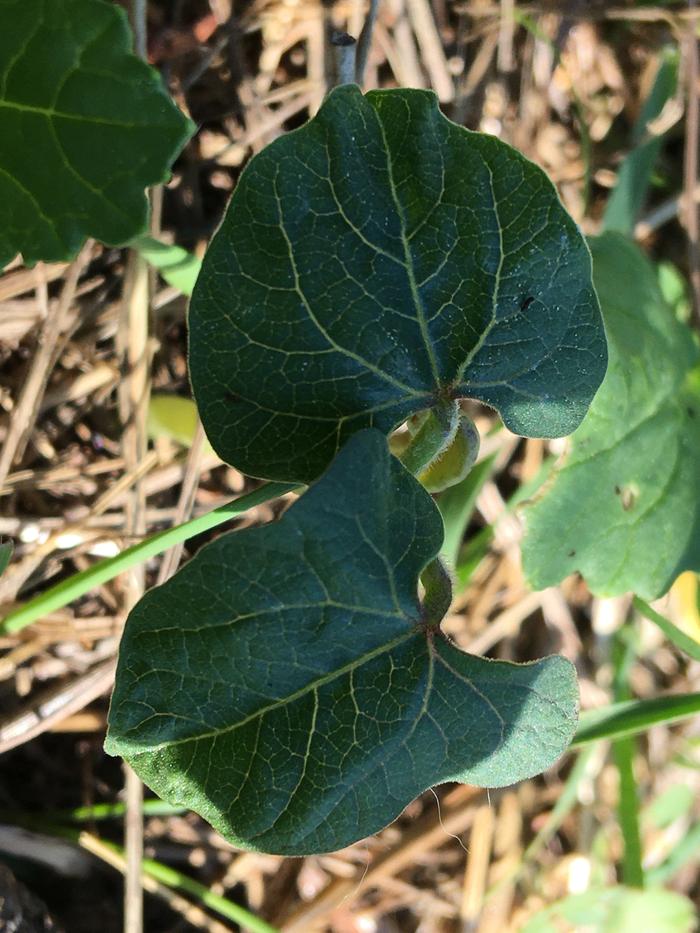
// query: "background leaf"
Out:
[284,685]
[85,127]
[624,509]
[616,910]
[177,267]
[376,261]
[6,549]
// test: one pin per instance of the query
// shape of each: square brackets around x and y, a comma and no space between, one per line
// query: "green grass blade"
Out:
[166,875]
[671,631]
[58,596]
[175,879]
[457,506]
[106,811]
[623,753]
[628,812]
[627,199]
[687,849]
[634,716]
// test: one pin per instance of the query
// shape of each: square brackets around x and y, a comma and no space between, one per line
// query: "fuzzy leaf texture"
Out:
[85,127]
[285,685]
[377,261]
[624,509]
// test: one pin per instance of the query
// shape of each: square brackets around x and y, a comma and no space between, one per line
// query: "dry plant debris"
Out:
[82,345]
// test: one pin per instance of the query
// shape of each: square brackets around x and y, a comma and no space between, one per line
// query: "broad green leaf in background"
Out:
[624,509]
[286,685]
[85,127]
[617,910]
[375,262]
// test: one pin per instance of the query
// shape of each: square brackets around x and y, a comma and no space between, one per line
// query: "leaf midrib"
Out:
[51,113]
[310,687]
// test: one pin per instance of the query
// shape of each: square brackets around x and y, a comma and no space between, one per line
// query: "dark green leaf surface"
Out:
[85,127]
[624,510]
[375,262]
[6,549]
[285,685]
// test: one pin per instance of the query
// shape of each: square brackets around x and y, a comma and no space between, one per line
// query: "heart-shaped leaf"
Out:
[374,263]
[85,127]
[287,684]
[624,509]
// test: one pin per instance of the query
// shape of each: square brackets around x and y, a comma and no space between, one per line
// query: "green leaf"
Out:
[375,263]
[6,550]
[286,685]
[172,416]
[616,910]
[178,267]
[624,510]
[85,127]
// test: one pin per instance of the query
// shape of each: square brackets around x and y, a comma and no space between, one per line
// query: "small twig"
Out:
[690,165]
[54,706]
[49,347]
[345,53]
[138,22]
[190,912]
[364,43]
[134,394]
[432,51]
[506,63]
[427,834]
[185,503]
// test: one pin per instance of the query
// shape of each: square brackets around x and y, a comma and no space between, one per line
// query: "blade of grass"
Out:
[628,197]
[113,854]
[671,631]
[623,752]
[58,596]
[174,880]
[457,507]
[103,811]
[685,850]
[567,800]
[634,716]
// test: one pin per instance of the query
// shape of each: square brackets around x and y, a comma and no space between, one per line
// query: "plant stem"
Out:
[438,592]
[345,48]
[628,812]
[365,42]
[58,596]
